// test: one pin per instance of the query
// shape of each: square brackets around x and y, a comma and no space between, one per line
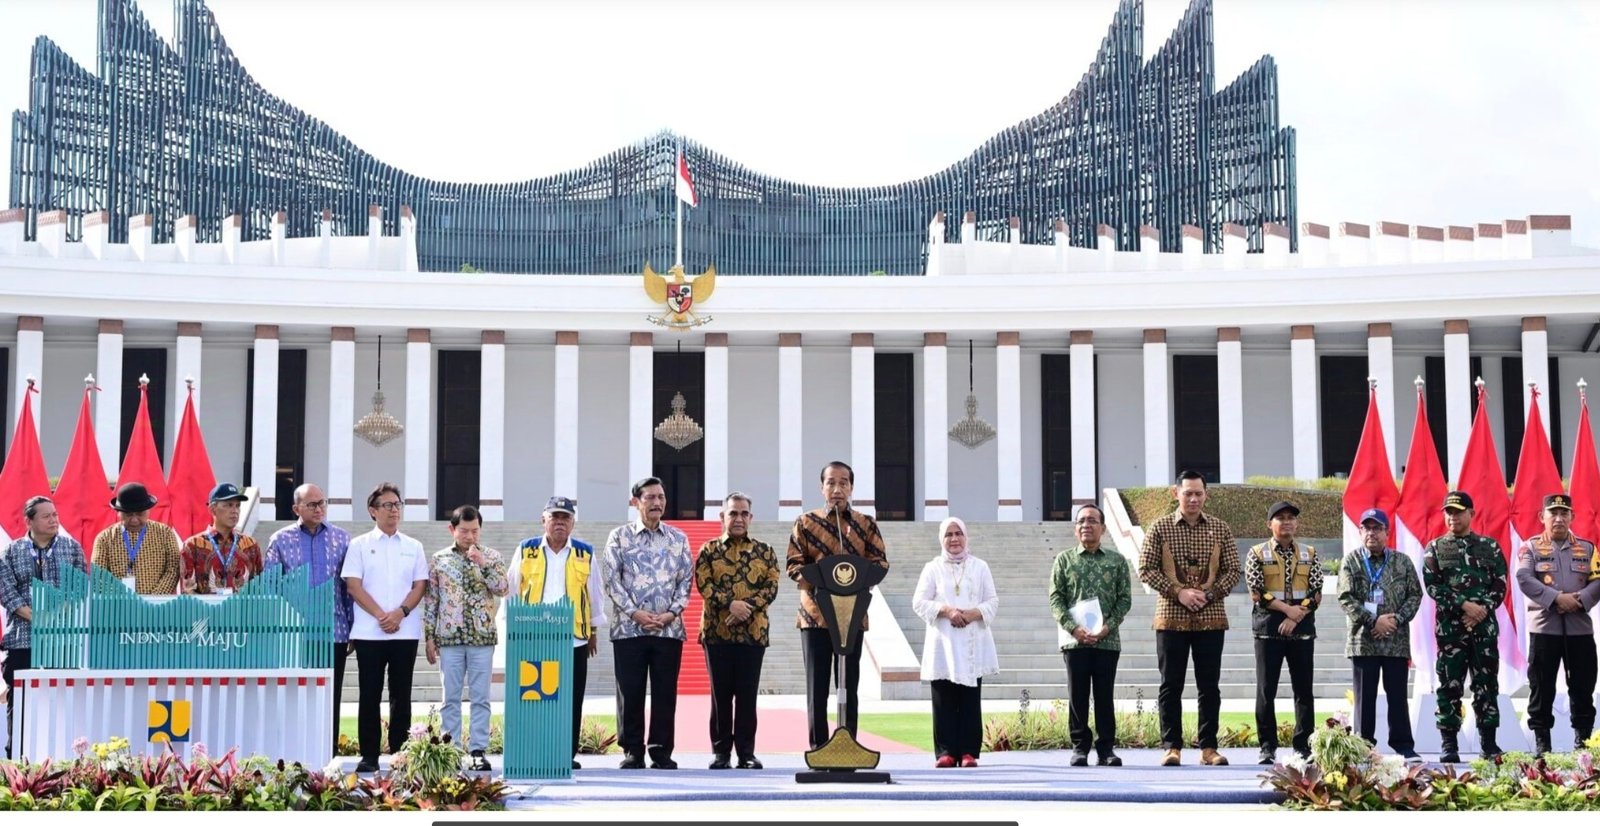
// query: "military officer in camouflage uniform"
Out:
[1555,572]
[1465,574]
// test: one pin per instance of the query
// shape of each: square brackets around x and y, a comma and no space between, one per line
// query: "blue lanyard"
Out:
[227,561]
[132,546]
[1373,576]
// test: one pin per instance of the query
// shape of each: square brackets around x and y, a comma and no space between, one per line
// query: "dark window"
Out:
[1055,386]
[1342,384]
[290,471]
[1195,417]
[894,437]
[460,408]
[1515,414]
[136,362]
[1433,369]
[683,472]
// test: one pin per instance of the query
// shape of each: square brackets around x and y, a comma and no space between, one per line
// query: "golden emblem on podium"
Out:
[679,296]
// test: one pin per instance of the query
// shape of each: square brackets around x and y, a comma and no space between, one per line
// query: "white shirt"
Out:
[388,567]
[555,582]
[960,655]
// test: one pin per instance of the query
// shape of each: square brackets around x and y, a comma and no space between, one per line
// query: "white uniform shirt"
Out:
[388,567]
[555,582]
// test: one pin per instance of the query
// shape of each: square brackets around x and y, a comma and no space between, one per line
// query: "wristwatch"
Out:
[404,611]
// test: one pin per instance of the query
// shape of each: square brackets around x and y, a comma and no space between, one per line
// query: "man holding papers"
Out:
[1090,594]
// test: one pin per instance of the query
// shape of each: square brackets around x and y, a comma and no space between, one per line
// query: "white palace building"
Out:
[1096,368]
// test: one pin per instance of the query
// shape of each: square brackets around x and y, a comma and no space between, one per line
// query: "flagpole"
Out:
[677,170]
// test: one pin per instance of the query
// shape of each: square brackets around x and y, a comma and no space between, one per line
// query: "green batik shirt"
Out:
[1463,569]
[1402,596]
[1080,575]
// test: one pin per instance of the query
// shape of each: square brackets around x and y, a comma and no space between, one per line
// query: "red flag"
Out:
[24,476]
[685,183]
[1483,479]
[190,479]
[1537,477]
[1420,520]
[142,463]
[1371,482]
[83,497]
[1585,478]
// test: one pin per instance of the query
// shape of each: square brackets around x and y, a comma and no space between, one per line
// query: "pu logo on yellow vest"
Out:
[539,680]
[170,721]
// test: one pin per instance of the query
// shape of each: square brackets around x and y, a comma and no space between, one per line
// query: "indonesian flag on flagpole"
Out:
[83,496]
[142,463]
[1371,482]
[189,476]
[23,477]
[1585,491]
[1418,521]
[685,185]
[1537,477]
[1483,479]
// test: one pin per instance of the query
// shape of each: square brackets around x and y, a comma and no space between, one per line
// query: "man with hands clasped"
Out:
[1380,595]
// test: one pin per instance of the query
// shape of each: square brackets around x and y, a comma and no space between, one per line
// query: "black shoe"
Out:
[1489,750]
[1079,759]
[1108,759]
[479,763]
[367,767]
[720,762]
[1267,757]
[1449,751]
[665,763]
[632,761]
[576,765]
[1581,736]
[750,763]
[1541,743]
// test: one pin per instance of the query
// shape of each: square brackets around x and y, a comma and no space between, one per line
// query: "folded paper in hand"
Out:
[1086,614]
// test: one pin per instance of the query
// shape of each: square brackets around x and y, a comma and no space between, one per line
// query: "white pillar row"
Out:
[641,394]
[716,425]
[1157,411]
[186,361]
[1380,366]
[419,424]
[30,362]
[935,427]
[1536,369]
[790,474]
[565,434]
[108,403]
[1085,457]
[341,424]
[264,422]
[492,426]
[863,431]
[1458,394]
[1306,424]
[1230,405]
[1008,425]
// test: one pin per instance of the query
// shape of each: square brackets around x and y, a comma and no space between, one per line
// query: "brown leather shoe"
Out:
[1211,757]
[1173,758]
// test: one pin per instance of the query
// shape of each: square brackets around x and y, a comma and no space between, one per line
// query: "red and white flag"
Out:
[142,462]
[83,497]
[1537,477]
[1484,480]
[1585,490]
[1419,519]
[1371,482]
[189,476]
[685,185]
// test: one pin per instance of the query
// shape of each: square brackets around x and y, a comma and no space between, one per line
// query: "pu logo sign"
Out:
[539,681]
[169,721]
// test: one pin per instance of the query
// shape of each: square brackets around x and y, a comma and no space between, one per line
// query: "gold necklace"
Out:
[960,574]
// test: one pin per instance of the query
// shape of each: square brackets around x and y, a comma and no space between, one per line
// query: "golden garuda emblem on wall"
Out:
[679,296]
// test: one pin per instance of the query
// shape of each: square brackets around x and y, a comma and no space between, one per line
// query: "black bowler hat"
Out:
[1558,500]
[1458,501]
[132,498]
[1280,506]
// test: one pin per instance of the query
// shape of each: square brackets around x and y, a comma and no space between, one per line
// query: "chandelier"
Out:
[677,430]
[971,431]
[378,427]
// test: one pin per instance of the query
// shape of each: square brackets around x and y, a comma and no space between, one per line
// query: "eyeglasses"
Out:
[738,514]
[1088,522]
[391,505]
[315,505]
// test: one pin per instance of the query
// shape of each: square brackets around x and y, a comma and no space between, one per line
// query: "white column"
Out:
[108,404]
[641,394]
[419,424]
[1157,410]
[1303,398]
[492,427]
[1536,369]
[186,361]
[565,434]
[1085,458]
[1008,425]
[341,424]
[716,425]
[30,362]
[935,427]
[264,422]
[1458,394]
[863,435]
[1380,366]
[1230,405]
[790,474]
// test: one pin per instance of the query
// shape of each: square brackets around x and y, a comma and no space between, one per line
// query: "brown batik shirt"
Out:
[1192,549]
[815,535]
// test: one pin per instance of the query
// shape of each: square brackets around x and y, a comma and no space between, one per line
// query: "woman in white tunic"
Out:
[956,598]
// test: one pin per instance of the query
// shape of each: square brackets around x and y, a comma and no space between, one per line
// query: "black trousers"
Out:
[17,659]
[816,651]
[1092,671]
[957,719]
[341,654]
[580,680]
[735,670]
[1546,653]
[654,661]
[373,658]
[1172,659]
[1270,657]
[1366,673]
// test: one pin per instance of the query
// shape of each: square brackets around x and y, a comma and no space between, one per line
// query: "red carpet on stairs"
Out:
[692,677]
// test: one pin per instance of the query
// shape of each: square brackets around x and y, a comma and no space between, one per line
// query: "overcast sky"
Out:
[1419,111]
